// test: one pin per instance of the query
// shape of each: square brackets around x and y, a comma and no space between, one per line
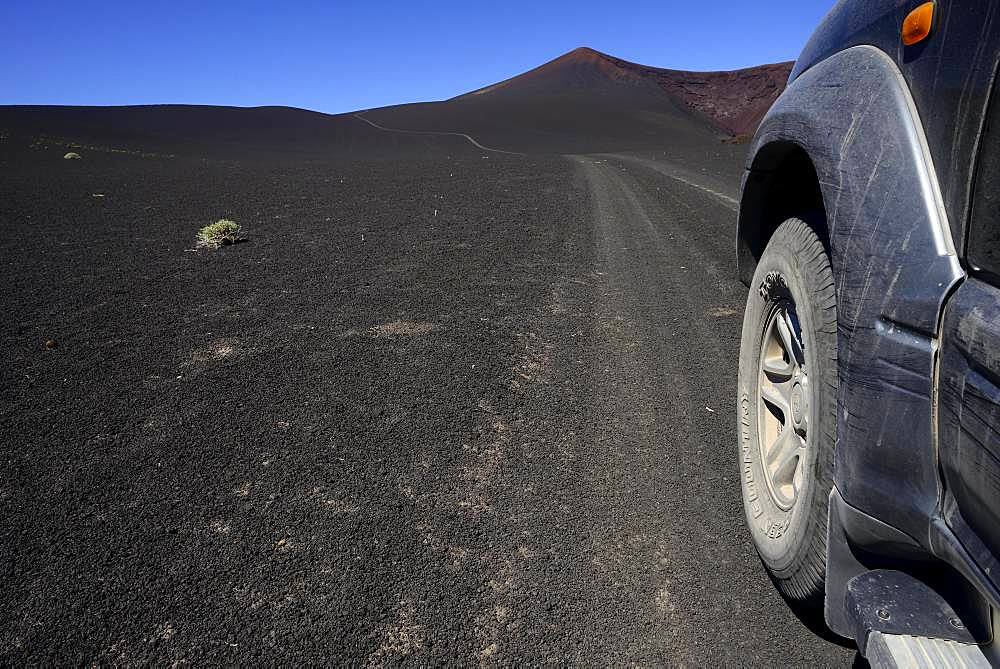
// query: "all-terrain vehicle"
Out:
[869,381]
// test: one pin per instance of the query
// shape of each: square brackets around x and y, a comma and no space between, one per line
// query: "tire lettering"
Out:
[745,446]
[771,281]
[774,530]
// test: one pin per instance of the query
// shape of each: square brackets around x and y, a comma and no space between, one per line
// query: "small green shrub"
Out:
[219,234]
[72,155]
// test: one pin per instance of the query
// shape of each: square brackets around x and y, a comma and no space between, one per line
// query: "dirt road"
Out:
[475,410]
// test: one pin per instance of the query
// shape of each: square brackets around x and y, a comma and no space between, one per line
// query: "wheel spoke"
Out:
[783,324]
[776,394]
[783,466]
[776,359]
[777,368]
[782,454]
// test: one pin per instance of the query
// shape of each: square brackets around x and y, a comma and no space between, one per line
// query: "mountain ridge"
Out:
[733,100]
[584,101]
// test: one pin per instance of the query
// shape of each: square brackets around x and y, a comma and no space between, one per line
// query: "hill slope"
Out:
[586,102]
[208,131]
[582,102]
[734,100]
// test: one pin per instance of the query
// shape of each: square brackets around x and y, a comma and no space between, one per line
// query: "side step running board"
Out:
[899,622]
[892,651]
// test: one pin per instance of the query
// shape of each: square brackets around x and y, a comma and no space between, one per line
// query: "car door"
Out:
[969,381]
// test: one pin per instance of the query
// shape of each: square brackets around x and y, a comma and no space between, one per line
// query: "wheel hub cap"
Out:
[783,406]
[797,399]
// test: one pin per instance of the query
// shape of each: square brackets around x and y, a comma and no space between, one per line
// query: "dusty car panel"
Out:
[949,76]
[881,148]
[852,115]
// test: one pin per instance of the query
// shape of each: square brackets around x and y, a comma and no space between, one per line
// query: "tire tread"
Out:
[803,582]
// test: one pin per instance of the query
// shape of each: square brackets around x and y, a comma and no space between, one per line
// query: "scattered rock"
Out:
[403,329]
[216,351]
[51,344]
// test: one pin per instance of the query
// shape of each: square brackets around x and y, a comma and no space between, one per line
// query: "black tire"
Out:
[787,507]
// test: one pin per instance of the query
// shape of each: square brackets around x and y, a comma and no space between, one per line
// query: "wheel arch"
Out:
[781,183]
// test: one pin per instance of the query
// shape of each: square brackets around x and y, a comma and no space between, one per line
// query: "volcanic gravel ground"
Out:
[473,409]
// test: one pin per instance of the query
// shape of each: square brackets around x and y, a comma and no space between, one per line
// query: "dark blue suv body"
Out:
[869,392]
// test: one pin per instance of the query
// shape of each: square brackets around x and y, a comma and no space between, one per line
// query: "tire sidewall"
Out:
[782,537]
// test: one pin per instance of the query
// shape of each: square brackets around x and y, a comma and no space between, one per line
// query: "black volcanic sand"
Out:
[460,408]
[268,134]
[565,122]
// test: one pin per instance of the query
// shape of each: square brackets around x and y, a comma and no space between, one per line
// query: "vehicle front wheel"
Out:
[787,409]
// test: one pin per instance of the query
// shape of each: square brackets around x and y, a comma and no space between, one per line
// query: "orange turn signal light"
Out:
[917,25]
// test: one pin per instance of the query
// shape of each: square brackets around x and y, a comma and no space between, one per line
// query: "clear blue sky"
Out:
[338,56]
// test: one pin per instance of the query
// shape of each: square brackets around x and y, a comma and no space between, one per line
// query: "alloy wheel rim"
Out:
[783,406]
